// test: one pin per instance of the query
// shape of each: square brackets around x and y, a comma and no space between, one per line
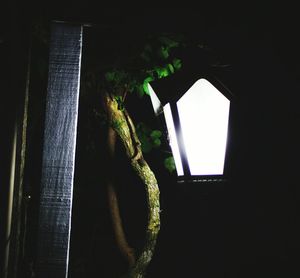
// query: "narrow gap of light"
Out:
[157,106]
[204,113]
[173,139]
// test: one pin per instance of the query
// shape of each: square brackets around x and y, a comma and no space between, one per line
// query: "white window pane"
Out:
[204,114]
[173,139]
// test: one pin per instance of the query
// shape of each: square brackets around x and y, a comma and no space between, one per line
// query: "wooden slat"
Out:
[59,151]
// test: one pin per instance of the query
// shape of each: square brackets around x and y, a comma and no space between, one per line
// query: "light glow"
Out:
[156,104]
[173,139]
[204,113]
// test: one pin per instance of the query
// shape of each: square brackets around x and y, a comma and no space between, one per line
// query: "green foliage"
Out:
[167,45]
[161,72]
[163,52]
[146,53]
[170,164]
[168,42]
[149,138]
[110,76]
[155,134]
[147,59]
[177,63]
[171,68]
[140,90]
[159,47]
[131,64]
[117,78]
[145,84]
[120,102]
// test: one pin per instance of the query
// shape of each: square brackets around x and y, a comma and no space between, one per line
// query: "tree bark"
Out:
[122,124]
[113,203]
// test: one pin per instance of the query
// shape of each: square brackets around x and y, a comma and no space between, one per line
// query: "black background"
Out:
[248,227]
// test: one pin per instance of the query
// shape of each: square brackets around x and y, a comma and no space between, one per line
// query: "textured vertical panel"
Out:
[59,151]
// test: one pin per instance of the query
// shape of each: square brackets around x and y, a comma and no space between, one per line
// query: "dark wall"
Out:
[13,69]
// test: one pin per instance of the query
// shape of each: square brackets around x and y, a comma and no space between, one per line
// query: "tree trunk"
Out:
[123,126]
[113,203]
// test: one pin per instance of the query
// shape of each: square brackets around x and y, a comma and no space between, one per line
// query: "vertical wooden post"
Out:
[59,151]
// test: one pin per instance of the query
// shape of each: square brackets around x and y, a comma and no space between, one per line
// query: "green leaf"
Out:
[164,72]
[156,143]
[149,138]
[140,90]
[146,145]
[120,102]
[177,63]
[145,88]
[170,164]
[161,72]
[168,42]
[163,52]
[132,85]
[171,68]
[145,84]
[110,76]
[155,134]
[120,76]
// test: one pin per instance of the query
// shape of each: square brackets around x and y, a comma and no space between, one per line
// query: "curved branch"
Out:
[123,125]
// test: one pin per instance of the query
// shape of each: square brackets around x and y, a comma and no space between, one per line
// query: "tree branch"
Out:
[124,127]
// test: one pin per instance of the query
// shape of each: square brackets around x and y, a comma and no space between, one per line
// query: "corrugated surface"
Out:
[59,151]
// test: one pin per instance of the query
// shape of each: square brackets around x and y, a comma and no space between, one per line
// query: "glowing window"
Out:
[204,114]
